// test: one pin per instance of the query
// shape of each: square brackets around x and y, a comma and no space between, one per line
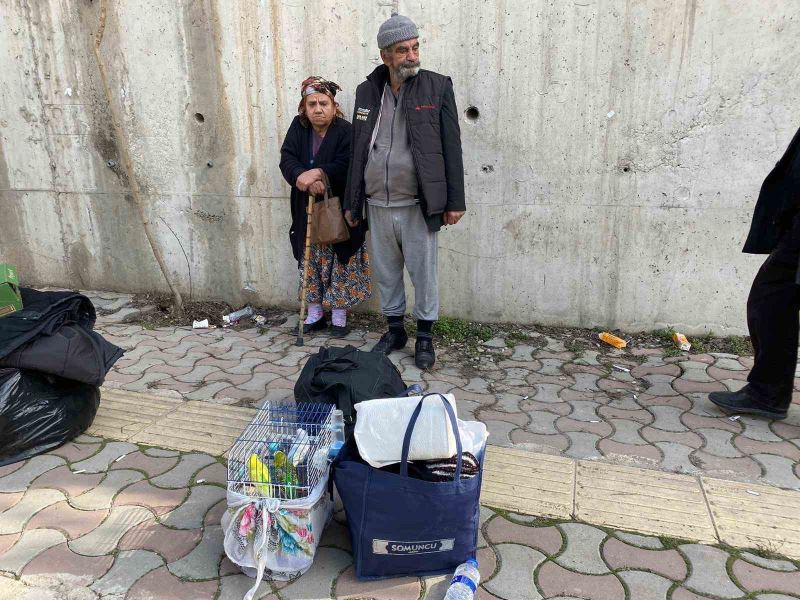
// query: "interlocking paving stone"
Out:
[159,500]
[646,586]
[398,588]
[151,466]
[757,429]
[667,418]
[60,561]
[718,442]
[709,574]
[62,478]
[775,597]
[9,500]
[74,452]
[642,541]
[582,445]
[170,544]
[189,515]
[778,471]
[626,432]
[555,580]
[161,584]
[102,496]
[582,551]
[234,587]
[547,392]
[745,520]
[499,432]
[316,583]
[754,578]
[769,563]
[542,422]
[727,468]
[74,523]
[20,479]
[181,475]
[545,539]
[750,446]
[13,520]
[642,500]
[6,541]
[203,561]
[100,462]
[10,468]
[104,539]
[514,580]
[668,563]
[29,545]
[536,484]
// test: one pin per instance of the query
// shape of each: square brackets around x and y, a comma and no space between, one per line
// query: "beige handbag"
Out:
[328,224]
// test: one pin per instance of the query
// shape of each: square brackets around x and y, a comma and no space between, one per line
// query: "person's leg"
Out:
[421,253]
[773,321]
[350,286]
[386,261]
[315,319]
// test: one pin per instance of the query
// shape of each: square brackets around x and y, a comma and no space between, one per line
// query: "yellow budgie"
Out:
[259,474]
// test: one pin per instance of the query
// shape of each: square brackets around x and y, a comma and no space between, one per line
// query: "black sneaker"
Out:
[394,339]
[312,327]
[424,354]
[746,403]
[339,331]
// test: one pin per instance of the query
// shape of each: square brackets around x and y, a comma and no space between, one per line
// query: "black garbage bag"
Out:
[39,412]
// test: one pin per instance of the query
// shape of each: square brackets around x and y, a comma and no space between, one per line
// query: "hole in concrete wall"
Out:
[199,117]
[472,113]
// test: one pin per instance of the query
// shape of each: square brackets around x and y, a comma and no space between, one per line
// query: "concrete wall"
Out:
[576,215]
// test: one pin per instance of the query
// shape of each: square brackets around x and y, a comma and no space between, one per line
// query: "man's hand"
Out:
[317,188]
[307,178]
[348,216]
[452,217]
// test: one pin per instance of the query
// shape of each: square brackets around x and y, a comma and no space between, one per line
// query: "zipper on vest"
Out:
[414,159]
[391,143]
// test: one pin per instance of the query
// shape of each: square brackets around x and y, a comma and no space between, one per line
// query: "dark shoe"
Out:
[745,403]
[312,327]
[424,354]
[394,339]
[338,331]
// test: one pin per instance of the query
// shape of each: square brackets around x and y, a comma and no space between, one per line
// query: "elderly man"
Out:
[407,178]
[774,302]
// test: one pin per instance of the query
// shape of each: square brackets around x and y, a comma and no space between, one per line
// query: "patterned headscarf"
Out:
[318,85]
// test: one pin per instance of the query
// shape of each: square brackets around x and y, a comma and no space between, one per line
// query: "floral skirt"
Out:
[334,284]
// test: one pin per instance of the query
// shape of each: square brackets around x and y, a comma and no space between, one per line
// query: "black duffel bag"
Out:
[347,376]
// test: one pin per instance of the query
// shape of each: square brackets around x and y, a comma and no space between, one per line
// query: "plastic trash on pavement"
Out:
[612,340]
[681,341]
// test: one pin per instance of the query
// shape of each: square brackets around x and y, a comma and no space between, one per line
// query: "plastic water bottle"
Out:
[414,389]
[337,429]
[465,581]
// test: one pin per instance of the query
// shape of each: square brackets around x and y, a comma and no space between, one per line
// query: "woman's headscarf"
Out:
[317,85]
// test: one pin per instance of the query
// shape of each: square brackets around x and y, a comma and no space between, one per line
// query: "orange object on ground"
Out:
[681,341]
[612,340]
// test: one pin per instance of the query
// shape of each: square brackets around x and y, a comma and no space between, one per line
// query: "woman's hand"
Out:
[348,216]
[317,188]
[307,178]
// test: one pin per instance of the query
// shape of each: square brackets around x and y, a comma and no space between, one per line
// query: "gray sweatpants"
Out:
[398,236]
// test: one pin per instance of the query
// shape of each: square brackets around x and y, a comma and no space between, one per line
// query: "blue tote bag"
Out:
[400,525]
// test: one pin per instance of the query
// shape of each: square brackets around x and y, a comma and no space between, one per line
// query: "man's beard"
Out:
[406,70]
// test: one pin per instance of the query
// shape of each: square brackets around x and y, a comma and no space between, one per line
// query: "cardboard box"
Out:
[10,299]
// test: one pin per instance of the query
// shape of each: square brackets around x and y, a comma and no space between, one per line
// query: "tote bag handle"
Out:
[410,431]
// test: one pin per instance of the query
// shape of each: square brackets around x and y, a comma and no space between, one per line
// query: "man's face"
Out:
[320,109]
[402,58]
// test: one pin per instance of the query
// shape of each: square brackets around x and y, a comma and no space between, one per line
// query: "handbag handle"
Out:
[410,430]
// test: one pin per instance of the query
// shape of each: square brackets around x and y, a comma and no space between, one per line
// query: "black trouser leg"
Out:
[773,321]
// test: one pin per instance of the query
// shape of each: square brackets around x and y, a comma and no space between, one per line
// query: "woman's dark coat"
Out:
[333,157]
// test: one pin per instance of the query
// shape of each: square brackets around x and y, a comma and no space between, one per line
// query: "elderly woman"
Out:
[316,148]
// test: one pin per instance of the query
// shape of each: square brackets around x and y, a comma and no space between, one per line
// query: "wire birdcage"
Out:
[283,452]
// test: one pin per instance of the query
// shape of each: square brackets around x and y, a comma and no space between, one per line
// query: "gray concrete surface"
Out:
[611,172]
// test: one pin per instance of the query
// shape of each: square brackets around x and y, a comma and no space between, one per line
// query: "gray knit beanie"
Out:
[396,29]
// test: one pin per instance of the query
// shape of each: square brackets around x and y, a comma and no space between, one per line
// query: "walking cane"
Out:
[306,258]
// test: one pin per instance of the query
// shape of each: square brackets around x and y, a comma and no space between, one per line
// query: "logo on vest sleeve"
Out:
[426,107]
[429,547]
[362,114]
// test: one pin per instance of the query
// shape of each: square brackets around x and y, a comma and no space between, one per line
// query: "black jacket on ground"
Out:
[53,334]
[432,118]
[778,202]
[332,157]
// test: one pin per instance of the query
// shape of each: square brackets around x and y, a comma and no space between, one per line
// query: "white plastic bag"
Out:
[279,536]
[381,426]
